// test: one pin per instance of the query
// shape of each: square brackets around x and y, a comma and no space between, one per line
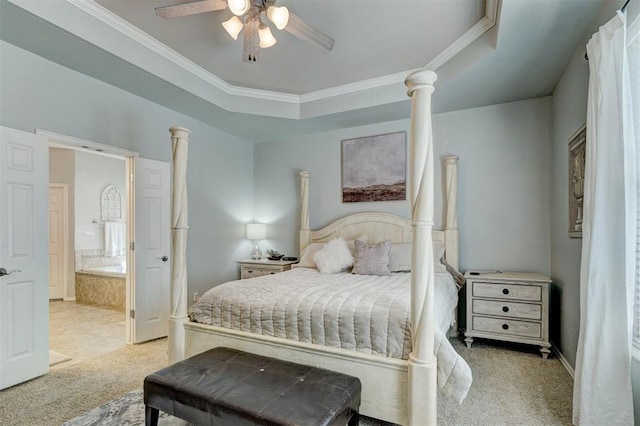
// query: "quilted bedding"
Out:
[357,312]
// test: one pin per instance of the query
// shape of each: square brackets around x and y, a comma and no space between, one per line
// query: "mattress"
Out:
[363,313]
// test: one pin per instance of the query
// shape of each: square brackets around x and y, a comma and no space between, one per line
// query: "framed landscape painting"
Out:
[374,168]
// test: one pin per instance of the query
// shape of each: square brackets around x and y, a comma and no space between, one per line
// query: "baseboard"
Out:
[563,360]
[69,299]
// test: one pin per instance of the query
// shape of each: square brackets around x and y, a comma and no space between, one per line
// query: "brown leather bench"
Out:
[225,386]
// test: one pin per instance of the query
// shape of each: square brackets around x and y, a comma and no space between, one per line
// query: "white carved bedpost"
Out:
[304,209]
[422,391]
[451,226]
[179,230]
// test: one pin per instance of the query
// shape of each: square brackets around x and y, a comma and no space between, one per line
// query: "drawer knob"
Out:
[505,291]
[505,326]
[505,309]
[272,273]
[250,272]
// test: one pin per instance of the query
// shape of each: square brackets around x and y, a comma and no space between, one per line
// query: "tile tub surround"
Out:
[86,259]
[101,290]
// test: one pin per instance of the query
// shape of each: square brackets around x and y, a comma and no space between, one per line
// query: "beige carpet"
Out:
[69,391]
[512,386]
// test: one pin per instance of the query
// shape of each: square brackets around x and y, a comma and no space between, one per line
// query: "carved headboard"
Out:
[384,226]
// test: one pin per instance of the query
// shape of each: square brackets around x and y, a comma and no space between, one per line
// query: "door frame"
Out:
[65,226]
[57,140]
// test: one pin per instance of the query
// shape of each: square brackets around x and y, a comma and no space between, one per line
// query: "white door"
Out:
[57,237]
[151,266]
[24,292]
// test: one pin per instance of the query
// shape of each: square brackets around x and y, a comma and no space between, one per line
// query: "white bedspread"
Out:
[357,312]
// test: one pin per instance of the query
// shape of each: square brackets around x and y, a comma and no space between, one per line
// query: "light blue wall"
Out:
[37,93]
[569,113]
[504,188]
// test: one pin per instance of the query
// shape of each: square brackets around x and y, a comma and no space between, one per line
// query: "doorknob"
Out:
[4,272]
[163,258]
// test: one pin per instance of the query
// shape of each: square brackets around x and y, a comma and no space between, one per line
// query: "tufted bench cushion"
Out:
[225,386]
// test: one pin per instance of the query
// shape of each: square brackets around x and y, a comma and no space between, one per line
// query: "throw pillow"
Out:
[372,260]
[334,257]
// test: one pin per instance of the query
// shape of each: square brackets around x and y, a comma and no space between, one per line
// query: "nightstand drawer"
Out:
[507,291]
[507,309]
[258,268]
[249,272]
[507,326]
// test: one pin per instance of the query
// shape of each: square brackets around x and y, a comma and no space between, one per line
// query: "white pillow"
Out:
[400,257]
[306,259]
[334,257]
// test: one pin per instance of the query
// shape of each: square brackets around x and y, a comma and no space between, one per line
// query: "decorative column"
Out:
[422,391]
[451,225]
[304,209]
[179,231]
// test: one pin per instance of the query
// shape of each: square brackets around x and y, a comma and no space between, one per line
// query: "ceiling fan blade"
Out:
[304,31]
[193,8]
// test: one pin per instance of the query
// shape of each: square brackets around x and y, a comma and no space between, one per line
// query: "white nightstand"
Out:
[510,306]
[256,268]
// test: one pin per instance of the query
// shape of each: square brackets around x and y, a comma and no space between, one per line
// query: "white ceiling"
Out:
[191,65]
[374,38]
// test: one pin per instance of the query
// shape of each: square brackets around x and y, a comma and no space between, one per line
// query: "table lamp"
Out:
[256,232]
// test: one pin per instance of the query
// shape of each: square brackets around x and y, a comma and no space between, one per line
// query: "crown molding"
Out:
[149,54]
[487,22]
[117,23]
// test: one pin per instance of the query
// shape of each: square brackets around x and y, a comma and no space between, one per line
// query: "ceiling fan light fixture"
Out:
[279,16]
[233,26]
[238,7]
[266,37]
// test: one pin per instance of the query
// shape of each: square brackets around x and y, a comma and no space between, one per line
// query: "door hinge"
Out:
[133,245]
[132,313]
[132,178]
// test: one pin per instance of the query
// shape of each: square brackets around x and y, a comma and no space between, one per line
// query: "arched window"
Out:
[111,204]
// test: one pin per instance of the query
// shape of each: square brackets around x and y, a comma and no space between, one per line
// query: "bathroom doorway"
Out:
[87,254]
[107,188]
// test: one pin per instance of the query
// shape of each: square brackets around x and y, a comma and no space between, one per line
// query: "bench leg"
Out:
[150,416]
[353,421]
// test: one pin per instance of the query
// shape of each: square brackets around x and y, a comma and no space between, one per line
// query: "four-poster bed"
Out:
[397,390]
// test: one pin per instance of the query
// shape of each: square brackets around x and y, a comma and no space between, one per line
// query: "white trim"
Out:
[482,26]
[68,299]
[563,360]
[57,140]
[358,86]
[136,34]
[286,100]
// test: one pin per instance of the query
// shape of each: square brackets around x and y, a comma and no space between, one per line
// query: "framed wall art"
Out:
[577,145]
[374,168]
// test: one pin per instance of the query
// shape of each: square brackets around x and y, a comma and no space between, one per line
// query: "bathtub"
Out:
[104,286]
[112,271]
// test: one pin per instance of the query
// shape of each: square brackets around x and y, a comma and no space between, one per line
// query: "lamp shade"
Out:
[256,231]
[279,16]
[238,7]
[266,37]
[233,26]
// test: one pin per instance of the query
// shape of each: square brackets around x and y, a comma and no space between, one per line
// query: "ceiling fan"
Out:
[247,15]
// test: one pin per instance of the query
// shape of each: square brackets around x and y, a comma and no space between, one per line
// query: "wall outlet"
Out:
[196,296]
